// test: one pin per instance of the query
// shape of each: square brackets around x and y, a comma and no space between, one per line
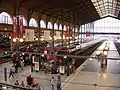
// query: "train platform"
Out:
[90,77]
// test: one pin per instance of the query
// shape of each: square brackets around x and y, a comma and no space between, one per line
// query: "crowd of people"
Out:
[19,61]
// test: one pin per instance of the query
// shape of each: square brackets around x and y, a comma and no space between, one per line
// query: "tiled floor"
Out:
[91,78]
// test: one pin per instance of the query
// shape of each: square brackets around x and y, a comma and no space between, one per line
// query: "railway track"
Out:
[117,45]
[87,52]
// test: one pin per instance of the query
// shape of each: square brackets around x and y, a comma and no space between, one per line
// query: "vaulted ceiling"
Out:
[74,11]
[107,7]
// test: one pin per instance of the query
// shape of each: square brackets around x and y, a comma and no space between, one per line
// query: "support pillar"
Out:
[39,34]
[93,28]
[84,33]
[78,32]
[62,34]
[69,35]
[18,27]
[81,34]
[74,32]
[30,12]
[53,32]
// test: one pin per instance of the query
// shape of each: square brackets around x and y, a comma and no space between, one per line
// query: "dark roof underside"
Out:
[74,11]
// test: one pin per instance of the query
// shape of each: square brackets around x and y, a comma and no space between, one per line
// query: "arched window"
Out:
[33,23]
[60,27]
[42,24]
[56,26]
[24,21]
[64,28]
[107,25]
[5,18]
[76,30]
[68,27]
[49,26]
[73,29]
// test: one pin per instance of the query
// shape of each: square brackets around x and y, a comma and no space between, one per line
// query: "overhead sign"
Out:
[47,35]
[62,69]
[58,35]
[37,66]
[29,35]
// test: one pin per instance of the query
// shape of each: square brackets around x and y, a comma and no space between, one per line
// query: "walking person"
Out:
[11,73]
[52,83]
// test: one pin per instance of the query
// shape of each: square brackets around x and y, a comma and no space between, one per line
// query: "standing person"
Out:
[29,80]
[16,82]
[52,83]
[11,73]
[16,67]
[58,86]
[22,63]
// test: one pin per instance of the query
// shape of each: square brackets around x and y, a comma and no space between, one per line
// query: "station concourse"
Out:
[60,45]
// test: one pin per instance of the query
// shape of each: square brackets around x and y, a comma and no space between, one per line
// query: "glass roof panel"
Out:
[107,7]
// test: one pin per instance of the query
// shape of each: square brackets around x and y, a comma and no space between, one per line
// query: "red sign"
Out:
[14,27]
[87,33]
[53,58]
[21,26]
[67,33]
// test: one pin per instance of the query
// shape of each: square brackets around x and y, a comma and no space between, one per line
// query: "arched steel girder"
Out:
[57,12]
[55,16]
[54,13]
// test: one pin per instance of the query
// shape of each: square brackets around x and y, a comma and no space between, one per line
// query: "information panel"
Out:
[29,35]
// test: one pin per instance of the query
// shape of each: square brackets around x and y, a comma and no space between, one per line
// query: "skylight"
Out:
[107,7]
